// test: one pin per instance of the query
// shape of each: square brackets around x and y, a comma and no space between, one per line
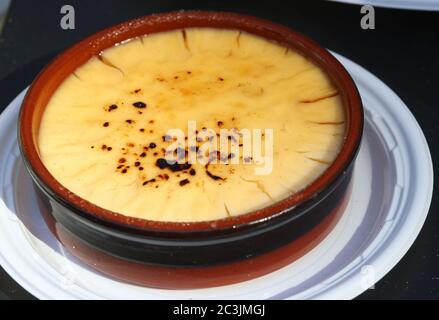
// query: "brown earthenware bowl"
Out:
[198,244]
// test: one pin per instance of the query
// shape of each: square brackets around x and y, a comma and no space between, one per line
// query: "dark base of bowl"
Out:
[192,277]
[198,249]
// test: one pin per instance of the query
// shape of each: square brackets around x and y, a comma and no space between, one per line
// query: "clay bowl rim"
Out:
[79,53]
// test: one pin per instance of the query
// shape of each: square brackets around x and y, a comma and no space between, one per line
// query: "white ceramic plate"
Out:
[392,189]
[430,5]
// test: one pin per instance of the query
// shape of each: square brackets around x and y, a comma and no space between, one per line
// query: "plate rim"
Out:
[398,4]
[347,288]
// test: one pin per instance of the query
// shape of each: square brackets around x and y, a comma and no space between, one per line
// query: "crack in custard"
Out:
[185,40]
[331,95]
[107,62]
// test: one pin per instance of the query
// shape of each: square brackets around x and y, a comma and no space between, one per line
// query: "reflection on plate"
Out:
[431,5]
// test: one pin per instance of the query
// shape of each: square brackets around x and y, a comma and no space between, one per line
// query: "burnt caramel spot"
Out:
[161,163]
[151,121]
[109,148]
[112,107]
[214,177]
[192,172]
[124,170]
[139,104]
[163,176]
[122,160]
[152,145]
[183,182]
[232,138]
[104,147]
[220,123]
[140,168]
[148,181]
[143,154]
[174,167]
[142,130]
[220,79]
[137,90]
[106,124]
[129,121]
[137,163]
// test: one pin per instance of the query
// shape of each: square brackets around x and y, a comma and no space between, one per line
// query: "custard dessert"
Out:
[192,125]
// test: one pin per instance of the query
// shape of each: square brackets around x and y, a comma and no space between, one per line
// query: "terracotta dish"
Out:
[198,254]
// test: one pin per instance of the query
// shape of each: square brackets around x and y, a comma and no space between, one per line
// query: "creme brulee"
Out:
[104,134]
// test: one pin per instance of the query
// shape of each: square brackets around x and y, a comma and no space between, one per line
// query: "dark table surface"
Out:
[403,51]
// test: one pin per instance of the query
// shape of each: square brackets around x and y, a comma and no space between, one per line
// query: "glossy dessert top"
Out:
[192,125]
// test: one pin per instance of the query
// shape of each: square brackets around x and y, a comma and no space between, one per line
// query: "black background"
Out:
[403,51]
